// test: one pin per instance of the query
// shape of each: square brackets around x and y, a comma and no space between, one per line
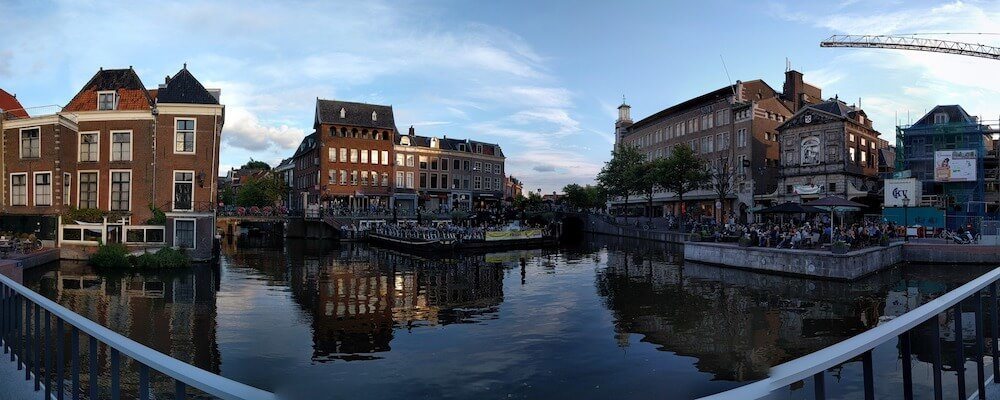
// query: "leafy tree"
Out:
[649,180]
[620,176]
[683,172]
[265,191]
[585,197]
[721,181]
[227,196]
[254,164]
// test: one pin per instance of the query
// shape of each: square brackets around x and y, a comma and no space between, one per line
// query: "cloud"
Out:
[543,168]
[244,130]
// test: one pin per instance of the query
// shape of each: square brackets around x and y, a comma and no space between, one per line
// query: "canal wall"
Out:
[932,253]
[14,266]
[595,224]
[813,263]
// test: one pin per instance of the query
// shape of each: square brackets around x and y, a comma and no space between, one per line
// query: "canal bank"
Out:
[814,263]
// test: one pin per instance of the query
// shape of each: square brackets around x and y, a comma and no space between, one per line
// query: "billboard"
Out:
[493,236]
[898,189]
[955,166]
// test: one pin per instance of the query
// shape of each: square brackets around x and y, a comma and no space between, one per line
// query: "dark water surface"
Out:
[608,318]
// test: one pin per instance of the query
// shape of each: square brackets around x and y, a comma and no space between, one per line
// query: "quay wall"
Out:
[952,254]
[821,264]
[594,224]
[14,267]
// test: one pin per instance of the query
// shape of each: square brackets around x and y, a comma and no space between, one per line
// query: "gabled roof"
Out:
[308,143]
[452,144]
[132,95]
[11,107]
[355,114]
[184,88]
[956,115]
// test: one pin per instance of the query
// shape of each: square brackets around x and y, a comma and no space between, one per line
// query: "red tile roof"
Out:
[11,106]
[132,95]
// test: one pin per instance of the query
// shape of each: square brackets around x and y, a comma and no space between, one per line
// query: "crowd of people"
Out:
[804,233]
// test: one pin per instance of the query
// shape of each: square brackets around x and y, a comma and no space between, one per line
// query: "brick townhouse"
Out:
[734,126]
[123,149]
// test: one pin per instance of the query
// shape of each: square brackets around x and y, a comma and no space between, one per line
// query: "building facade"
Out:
[733,127]
[828,149]
[125,150]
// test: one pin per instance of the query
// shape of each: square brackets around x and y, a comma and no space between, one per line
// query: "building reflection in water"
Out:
[357,295]
[738,324]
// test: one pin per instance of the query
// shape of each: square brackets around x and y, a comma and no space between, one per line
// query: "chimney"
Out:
[412,131]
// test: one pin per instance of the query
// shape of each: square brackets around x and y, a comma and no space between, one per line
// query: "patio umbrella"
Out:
[834,202]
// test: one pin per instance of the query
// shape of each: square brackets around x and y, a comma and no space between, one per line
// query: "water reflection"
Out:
[613,312]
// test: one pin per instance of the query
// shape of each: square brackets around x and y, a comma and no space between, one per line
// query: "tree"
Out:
[721,182]
[586,197]
[683,172]
[254,164]
[264,191]
[620,176]
[649,180]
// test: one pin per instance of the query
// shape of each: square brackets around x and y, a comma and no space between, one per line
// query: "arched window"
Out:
[343,113]
[374,116]
[434,143]
[405,140]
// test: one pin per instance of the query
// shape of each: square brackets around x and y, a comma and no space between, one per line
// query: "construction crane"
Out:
[913,43]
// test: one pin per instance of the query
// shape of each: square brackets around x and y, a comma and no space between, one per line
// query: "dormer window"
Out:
[107,101]
[479,149]
[434,143]
[343,113]
[940,118]
[374,116]
[405,140]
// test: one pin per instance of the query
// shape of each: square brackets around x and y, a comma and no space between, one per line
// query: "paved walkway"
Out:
[12,383]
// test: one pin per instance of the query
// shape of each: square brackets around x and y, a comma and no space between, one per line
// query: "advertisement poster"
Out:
[491,236]
[955,166]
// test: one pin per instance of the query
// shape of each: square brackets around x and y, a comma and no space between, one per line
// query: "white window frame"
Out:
[111,185]
[114,100]
[67,186]
[385,157]
[34,188]
[11,185]
[111,148]
[194,136]
[194,233]
[79,146]
[20,142]
[173,190]
[97,191]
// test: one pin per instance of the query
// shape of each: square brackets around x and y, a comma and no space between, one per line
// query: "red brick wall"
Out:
[141,164]
[204,162]
[46,162]
[379,145]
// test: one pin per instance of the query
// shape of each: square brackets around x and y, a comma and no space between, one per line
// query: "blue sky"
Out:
[542,79]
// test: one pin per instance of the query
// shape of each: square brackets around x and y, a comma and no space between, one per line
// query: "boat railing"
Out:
[901,328]
[35,331]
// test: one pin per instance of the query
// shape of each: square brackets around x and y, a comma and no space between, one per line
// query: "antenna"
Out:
[728,77]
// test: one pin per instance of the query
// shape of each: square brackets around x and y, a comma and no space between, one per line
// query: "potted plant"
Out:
[884,240]
[840,247]
[745,241]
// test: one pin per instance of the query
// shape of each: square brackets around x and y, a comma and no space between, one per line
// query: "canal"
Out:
[604,318]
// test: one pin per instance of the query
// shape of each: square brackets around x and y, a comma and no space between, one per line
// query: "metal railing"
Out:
[816,364]
[26,327]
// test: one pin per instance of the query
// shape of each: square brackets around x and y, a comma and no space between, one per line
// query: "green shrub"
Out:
[110,256]
[158,218]
[83,214]
[745,241]
[840,247]
[163,258]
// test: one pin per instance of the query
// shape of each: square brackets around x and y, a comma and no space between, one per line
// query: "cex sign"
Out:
[898,189]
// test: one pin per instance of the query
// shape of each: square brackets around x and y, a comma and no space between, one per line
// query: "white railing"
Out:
[815,364]
[145,234]
[81,234]
[16,305]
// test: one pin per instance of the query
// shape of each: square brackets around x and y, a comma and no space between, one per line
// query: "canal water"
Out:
[604,318]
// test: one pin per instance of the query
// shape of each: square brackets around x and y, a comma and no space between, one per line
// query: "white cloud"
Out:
[244,130]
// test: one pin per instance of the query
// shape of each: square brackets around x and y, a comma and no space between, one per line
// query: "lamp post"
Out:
[906,219]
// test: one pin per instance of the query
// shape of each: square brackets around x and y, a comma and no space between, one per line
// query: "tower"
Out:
[624,121]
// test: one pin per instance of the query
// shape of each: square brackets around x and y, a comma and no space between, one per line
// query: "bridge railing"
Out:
[901,328]
[35,331]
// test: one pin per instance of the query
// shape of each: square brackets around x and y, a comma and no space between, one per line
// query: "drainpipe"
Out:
[152,188]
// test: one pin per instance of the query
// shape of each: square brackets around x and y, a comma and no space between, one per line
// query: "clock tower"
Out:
[624,121]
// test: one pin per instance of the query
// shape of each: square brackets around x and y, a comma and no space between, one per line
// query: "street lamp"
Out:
[906,219]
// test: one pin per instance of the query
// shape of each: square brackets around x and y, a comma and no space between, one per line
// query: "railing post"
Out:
[74,350]
[94,382]
[143,382]
[904,348]
[38,347]
[819,386]
[180,390]
[60,359]
[980,373]
[28,342]
[866,360]
[959,351]
[48,355]
[936,352]
[115,374]
[994,331]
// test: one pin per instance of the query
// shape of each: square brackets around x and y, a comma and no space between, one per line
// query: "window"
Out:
[31,143]
[405,140]
[455,183]
[385,157]
[374,116]
[354,178]
[183,191]
[940,118]
[478,182]
[385,179]
[343,154]
[409,180]
[852,151]
[332,154]
[400,179]
[184,233]
[121,190]
[106,101]
[465,165]
[343,113]
[479,166]
[88,190]
[184,135]
[89,147]
[354,155]
[423,180]
[364,156]
[18,189]
[434,163]
[434,181]
[497,169]
[400,160]
[423,162]
[43,188]
[343,177]
[444,164]
[121,146]
[364,178]
[741,137]
[409,160]
[489,168]
[740,167]
[833,187]
[67,178]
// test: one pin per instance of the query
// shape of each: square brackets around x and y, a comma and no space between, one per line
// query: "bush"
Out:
[83,215]
[840,247]
[116,256]
[110,256]
[745,241]
[158,218]
[163,258]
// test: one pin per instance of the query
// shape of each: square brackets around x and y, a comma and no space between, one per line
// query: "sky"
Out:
[541,79]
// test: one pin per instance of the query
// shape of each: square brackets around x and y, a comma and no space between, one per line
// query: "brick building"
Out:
[829,149]
[732,127]
[123,149]
[447,173]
